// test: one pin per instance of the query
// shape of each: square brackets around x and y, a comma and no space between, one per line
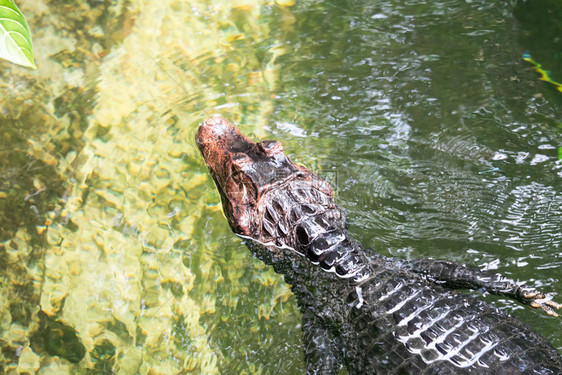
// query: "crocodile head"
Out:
[253,178]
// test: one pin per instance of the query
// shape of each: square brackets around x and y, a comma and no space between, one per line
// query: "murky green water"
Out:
[114,254]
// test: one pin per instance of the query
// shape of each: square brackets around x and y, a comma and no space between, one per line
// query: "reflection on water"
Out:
[439,137]
[126,245]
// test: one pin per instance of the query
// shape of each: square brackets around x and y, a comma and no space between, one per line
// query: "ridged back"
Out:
[405,325]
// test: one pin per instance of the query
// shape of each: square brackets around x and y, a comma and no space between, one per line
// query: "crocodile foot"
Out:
[547,305]
[536,299]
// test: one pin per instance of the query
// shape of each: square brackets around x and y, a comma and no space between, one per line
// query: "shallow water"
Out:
[439,138]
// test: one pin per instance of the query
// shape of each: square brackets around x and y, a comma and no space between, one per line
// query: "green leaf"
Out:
[15,37]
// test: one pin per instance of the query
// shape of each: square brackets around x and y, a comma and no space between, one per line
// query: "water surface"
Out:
[440,141]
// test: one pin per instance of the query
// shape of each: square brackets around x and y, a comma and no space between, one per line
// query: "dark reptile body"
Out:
[373,314]
[384,319]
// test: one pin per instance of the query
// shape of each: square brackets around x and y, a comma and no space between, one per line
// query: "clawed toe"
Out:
[549,310]
[531,293]
[547,305]
[554,304]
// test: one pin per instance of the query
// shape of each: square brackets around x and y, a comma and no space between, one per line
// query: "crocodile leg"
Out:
[322,350]
[459,276]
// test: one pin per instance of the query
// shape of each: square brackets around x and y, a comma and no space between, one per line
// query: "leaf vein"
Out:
[9,19]
[10,9]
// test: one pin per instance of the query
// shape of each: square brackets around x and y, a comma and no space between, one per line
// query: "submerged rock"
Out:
[58,338]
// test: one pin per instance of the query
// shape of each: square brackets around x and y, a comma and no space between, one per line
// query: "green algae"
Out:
[110,266]
[58,339]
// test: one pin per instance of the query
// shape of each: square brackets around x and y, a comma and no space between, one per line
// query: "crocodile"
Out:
[370,313]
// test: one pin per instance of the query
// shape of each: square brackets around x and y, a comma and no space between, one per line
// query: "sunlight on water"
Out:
[126,255]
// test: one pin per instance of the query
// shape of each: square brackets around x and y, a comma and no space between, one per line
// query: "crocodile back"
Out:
[404,325]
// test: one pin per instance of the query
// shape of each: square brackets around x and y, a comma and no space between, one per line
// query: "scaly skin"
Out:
[362,310]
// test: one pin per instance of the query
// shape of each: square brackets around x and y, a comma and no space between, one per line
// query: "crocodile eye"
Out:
[270,147]
[240,159]
[241,188]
